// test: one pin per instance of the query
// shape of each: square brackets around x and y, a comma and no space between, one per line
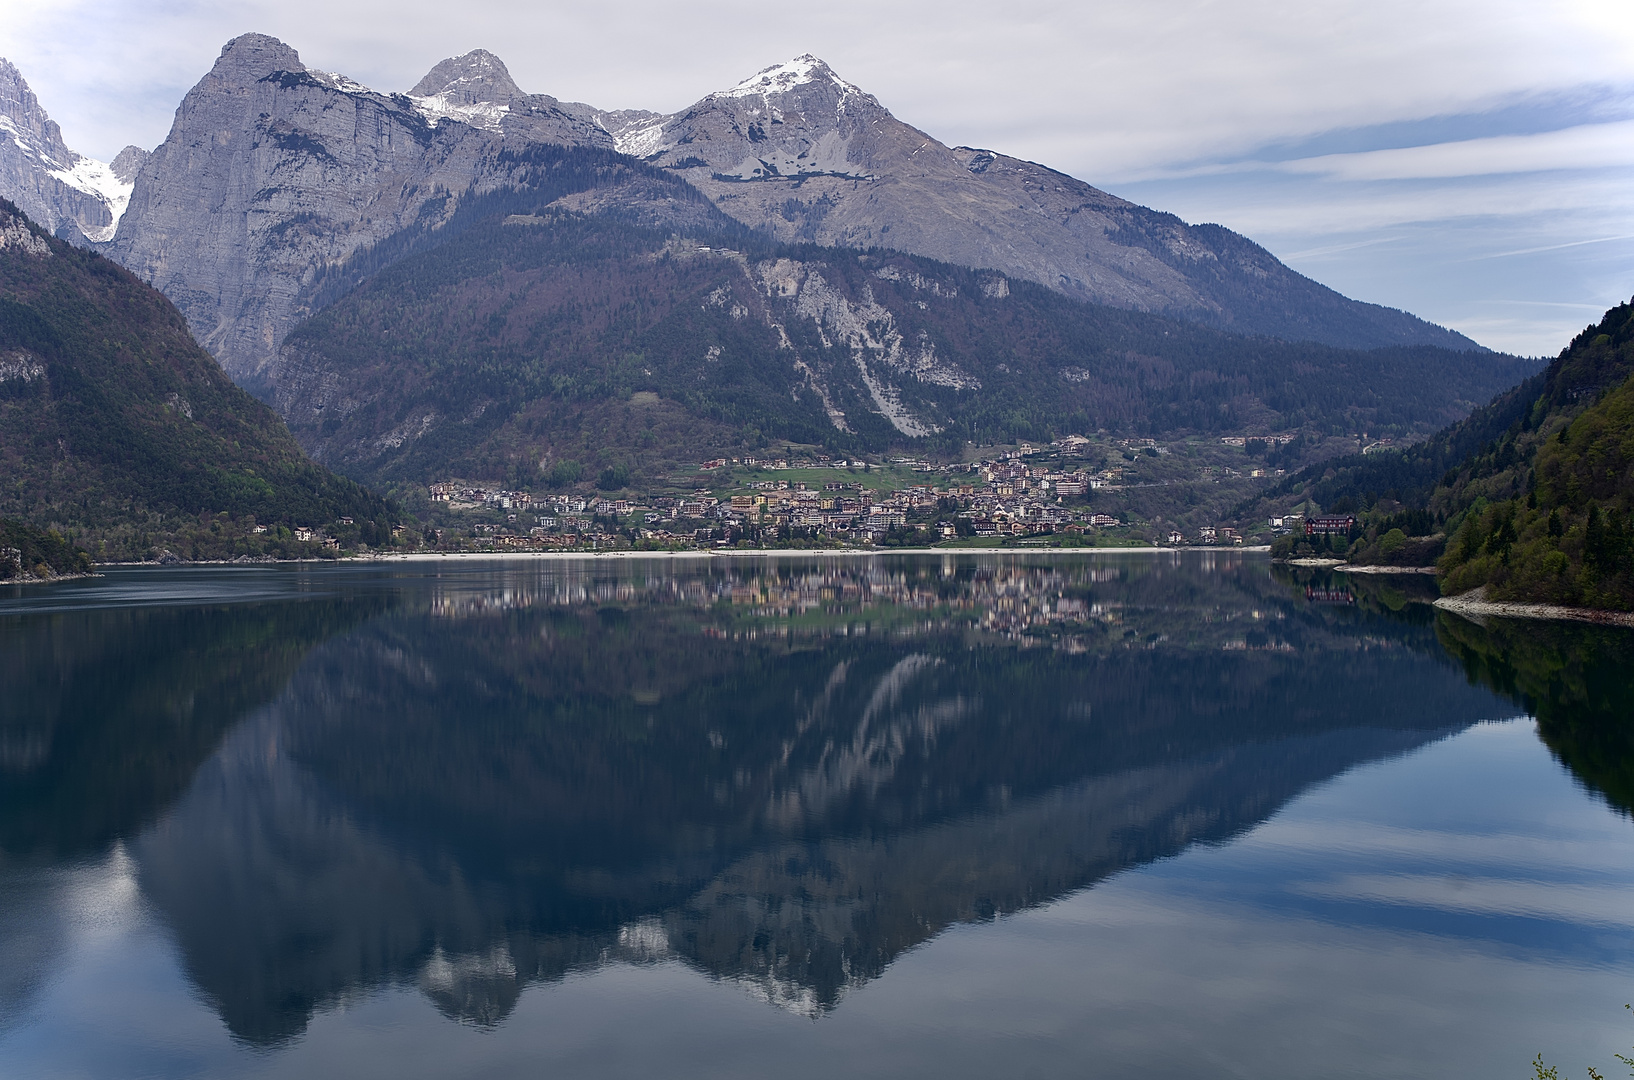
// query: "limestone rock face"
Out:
[272,173]
[76,197]
[808,156]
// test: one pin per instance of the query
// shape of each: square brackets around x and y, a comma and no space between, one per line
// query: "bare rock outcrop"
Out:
[273,173]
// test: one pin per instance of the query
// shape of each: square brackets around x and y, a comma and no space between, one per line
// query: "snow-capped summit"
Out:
[782,78]
[794,119]
[70,194]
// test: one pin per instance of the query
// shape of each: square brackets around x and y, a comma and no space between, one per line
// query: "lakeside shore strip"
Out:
[1472,605]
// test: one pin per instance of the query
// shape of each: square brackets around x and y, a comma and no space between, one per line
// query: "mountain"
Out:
[272,172]
[113,422]
[522,334]
[73,196]
[806,156]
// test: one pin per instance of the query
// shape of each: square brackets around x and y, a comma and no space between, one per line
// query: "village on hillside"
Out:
[1075,491]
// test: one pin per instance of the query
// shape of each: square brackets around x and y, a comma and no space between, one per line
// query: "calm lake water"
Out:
[965,816]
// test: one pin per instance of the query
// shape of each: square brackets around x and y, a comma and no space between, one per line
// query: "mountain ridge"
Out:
[274,174]
[808,156]
[73,196]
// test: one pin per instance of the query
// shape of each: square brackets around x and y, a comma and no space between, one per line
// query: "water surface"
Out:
[901,816]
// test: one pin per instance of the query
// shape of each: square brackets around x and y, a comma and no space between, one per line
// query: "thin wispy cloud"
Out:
[1558,247]
[1594,146]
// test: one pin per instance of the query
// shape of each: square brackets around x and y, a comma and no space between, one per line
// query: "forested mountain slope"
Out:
[115,423]
[1535,490]
[1546,513]
[524,333]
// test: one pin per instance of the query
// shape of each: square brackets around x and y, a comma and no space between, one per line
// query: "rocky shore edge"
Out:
[1475,606]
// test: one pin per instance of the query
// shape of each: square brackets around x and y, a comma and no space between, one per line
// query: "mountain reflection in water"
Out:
[781,773]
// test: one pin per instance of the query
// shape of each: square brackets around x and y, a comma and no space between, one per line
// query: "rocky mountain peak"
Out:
[128,162]
[477,78]
[273,171]
[250,57]
[793,120]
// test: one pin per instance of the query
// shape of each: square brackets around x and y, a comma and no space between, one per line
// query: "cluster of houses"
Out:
[1029,491]
[1010,499]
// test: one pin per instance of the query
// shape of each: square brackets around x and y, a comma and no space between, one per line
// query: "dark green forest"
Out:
[123,434]
[28,552]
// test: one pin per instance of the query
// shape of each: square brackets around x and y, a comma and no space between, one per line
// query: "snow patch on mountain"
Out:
[439,107]
[641,140]
[42,150]
[336,81]
[98,178]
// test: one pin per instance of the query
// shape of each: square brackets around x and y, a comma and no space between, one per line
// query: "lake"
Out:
[972,815]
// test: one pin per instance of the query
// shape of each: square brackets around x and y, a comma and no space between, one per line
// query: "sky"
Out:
[1470,161]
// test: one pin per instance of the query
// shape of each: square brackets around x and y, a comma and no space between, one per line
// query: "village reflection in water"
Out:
[780,773]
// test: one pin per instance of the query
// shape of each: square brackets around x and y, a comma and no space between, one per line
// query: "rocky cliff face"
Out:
[272,172]
[76,197]
[802,153]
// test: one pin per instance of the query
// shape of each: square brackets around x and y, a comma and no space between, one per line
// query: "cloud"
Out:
[1591,146]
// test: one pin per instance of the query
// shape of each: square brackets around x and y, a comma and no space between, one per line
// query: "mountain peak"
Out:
[256,56]
[784,77]
[128,162]
[477,78]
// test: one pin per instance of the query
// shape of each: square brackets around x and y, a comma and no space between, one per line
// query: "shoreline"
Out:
[1348,569]
[720,553]
[55,578]
[1477,607]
